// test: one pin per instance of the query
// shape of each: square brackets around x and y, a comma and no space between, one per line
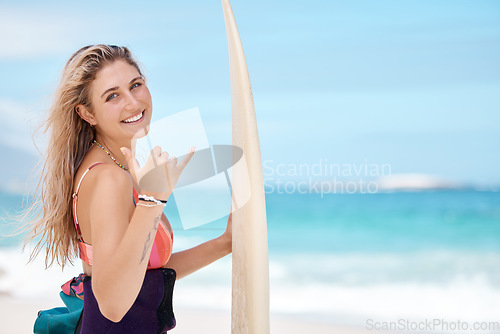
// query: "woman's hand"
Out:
[228,233]
[160,174]
[190,260]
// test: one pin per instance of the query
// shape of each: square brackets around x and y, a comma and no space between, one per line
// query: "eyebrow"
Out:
[115,88]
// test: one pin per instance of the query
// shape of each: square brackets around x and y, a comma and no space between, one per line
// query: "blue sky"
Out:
[413,84]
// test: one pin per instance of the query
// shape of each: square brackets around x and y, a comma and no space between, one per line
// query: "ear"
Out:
[85,114]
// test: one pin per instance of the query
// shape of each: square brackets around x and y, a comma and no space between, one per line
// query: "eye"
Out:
[111,96]
[135,85]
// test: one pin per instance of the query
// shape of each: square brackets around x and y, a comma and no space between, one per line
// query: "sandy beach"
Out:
[21,299]
[18,316]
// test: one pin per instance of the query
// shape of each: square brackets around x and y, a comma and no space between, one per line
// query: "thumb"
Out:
[131,162]
[126,152]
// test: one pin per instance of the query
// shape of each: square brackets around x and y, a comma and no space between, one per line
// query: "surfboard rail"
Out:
[250,260]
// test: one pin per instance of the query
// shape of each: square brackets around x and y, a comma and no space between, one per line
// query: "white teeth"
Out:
[135,118]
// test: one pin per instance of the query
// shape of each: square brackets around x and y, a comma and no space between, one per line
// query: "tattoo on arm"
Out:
[150,239]
[157,221]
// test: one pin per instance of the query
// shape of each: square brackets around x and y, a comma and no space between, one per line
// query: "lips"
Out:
[134,119]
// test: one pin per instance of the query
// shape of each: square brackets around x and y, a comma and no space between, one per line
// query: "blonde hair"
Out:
[70,139]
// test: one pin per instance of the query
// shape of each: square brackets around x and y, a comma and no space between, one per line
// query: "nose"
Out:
[131,102]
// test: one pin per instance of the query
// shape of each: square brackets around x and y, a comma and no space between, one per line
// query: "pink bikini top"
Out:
[162,247]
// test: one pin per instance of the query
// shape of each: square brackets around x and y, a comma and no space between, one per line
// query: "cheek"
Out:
[145,94]
[107,113]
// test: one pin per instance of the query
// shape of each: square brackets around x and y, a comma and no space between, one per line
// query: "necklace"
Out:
[112,157]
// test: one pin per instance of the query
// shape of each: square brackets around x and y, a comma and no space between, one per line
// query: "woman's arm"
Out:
[188,261]
[120,244]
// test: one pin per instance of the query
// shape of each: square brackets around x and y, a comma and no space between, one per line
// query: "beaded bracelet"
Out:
[152,199]
[150,205]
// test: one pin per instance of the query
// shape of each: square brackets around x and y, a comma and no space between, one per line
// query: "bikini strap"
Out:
[81,179]
[75,197]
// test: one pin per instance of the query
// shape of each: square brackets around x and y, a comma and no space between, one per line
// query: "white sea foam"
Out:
[299,284]
[350,288]
[24,280]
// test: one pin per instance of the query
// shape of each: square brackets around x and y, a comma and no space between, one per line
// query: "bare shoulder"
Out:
[104,182]
[110,203]
[104,200]
[109,178]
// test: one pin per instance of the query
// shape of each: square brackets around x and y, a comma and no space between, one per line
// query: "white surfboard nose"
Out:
[250,296]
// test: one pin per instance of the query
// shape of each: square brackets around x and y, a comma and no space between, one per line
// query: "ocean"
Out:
[342,258]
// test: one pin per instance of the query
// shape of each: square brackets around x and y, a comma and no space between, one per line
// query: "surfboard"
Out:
[250,260]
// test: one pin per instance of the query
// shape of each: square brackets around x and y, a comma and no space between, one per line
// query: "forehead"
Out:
[116,74]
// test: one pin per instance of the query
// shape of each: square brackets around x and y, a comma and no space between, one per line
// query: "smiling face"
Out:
[121,103]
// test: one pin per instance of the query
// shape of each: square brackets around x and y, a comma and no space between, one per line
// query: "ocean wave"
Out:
[345,288]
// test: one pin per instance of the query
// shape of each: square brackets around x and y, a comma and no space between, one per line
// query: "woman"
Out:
[95,203]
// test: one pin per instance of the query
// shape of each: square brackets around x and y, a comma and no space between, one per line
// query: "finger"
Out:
[156,150]
[172,161]
[163,157]
[132,162]
[153,158]
[187,158]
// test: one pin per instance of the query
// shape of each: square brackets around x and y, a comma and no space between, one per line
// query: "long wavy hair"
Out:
[70,139]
